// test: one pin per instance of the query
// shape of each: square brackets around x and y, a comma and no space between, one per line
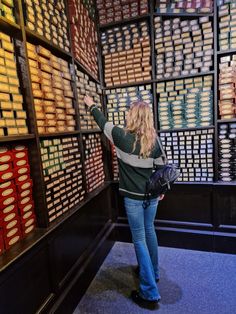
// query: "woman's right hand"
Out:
[161,197]
[88,101]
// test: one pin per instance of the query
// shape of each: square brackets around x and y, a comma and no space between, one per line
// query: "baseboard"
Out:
[192,236]
[67,301]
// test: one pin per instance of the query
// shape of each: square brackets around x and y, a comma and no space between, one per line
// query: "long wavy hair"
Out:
[139,120]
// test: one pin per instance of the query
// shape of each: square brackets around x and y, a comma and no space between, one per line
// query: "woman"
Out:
[137,151]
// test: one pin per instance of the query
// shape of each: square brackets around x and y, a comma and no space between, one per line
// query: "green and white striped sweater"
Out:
[134,171]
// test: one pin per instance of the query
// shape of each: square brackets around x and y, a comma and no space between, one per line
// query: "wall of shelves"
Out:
[80,219]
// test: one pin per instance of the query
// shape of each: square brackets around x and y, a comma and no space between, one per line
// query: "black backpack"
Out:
[161,179]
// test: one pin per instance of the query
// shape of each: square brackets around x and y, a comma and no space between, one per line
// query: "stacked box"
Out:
[48,18]
[94,170]
[87,87]
[62,167]
[227,84]
[90,7]
[115,167]
[7,10]
[126,50]
[12,114]
[184,6]
[52,91]
[119,10]
[120,99]
[84,36]
[227,152]
[192,152]
[17,217]
[186,103]
[227,24]
[183,47]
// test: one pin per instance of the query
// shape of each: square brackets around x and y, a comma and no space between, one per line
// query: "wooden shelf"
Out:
[129,85]
[180,77]
[91,131]
[226,52]
[226,121]
[14,138]
[126,21]
[193,15]
[187,129]
[8,25]
[38,234]
[38,39]
[59,134]
[84,69]
[194,183]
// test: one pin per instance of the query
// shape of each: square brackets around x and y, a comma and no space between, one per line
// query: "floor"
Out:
[190,282]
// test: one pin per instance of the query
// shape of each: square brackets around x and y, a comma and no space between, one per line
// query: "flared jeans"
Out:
[141,222]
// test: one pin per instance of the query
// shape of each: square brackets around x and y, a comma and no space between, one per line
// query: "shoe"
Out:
[136,271]
[146,304]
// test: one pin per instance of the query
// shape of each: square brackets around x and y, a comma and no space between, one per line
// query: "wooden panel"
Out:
[77,233]
[24,287]
[225,205]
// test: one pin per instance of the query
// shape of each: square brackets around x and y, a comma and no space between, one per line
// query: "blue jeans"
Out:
[141,222]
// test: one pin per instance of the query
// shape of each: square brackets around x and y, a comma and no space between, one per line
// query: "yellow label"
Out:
[29,222]
[14,240]
[29,229]
[11,224]
[7,192]
[8,209]
[25,200]
[22,178]
[12,232]
[5,158]
[27,215]
[7,175]
[25,185]
[10,217]
[27,207]
[20,155]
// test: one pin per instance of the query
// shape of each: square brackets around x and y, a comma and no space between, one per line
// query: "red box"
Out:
[27,207]
[9,209]
[28,222]
[5,155]
[27,230]
[24,193]
[6,187]
[20,171]
[5,167]
[20,162]
[4,202]
[20,155]
[10,221]
[23,201]
[27,216]
[24,185]
[21,179]
[11,241]
[7,175]
[19,148]
[9,233]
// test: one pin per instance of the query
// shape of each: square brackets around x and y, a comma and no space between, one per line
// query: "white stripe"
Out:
[134,160]
[108,130]
[131,192]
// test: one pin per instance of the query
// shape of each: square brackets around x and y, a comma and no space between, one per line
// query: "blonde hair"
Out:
[139,120]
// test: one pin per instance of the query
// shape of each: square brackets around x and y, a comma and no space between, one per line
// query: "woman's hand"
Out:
[161,197]
[88,101]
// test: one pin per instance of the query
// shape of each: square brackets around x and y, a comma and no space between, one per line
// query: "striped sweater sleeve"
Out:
[110,130]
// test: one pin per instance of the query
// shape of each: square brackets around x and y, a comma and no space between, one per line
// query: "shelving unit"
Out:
[33,139]
[54,243]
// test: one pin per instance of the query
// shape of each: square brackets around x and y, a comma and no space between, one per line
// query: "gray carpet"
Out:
[190,282]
